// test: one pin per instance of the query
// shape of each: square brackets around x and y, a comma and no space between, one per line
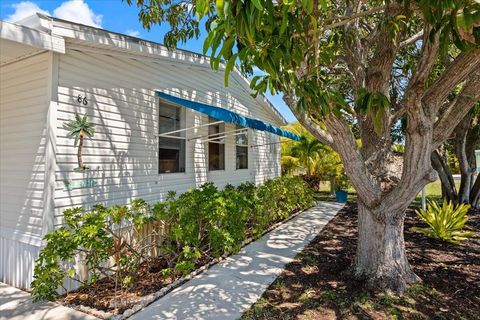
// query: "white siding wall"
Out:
[23,117]
[122,156]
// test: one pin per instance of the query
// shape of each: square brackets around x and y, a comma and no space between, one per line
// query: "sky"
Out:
[112,15]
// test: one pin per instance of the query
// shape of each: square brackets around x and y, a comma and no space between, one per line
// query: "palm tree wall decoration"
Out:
[79,128]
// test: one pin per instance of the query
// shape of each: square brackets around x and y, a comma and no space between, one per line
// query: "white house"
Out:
[147,139]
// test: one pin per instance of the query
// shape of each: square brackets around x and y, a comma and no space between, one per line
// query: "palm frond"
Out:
[77,125]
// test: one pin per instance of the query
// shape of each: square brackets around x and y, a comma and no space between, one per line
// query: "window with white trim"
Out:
[216,145]
[241,147]
[171,139]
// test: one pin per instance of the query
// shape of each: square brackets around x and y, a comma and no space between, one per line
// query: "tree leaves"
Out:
[373,104]
[257,4]
[296,47]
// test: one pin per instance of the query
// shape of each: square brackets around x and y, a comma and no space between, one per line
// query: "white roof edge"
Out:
[141,46]
[32,37]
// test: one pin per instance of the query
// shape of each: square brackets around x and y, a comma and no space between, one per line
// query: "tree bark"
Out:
[381,257]
[448,185]
[460,150]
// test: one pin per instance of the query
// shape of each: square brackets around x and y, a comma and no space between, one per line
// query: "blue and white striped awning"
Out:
[228,116]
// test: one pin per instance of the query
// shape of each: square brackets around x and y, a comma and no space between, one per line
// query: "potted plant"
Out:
[341,187]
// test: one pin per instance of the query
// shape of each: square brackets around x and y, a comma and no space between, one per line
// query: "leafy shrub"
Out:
[91,235]
[342,182]
[203,223]
[445,222]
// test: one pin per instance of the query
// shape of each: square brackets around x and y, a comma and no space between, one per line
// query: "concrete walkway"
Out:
[16,304]
[229,288]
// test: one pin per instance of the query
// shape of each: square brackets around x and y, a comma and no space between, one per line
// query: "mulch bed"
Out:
[318,283]
[106,295]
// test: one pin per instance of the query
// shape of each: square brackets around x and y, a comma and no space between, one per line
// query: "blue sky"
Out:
[113,15]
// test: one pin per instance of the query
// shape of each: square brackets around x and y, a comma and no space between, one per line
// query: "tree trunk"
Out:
[448,184]
[381,257]
[475,194]
[80,149]
[466,172]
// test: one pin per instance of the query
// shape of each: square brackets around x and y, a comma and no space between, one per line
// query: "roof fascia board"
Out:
[99,36]
[31,37]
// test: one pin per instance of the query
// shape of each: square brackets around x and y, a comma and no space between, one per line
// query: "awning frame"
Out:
[227,116]
[168,134]
[220,134]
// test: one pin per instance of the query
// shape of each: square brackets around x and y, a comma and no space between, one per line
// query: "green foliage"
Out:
[374,104]
[78,128]
[456,21]
[90,236]
[342,182]
[445,222]
[299,46]
[202,224]
[317,159]
[307,150]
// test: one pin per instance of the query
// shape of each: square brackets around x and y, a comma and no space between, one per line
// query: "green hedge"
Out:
[203,223]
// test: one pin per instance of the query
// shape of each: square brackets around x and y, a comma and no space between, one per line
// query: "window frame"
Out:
[237,127]
[220,141]
[179,136]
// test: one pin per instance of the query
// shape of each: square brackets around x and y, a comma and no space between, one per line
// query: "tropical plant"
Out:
[307,150]
[445,222]
[78,129]
[289,164]
[342,182]
[347,70]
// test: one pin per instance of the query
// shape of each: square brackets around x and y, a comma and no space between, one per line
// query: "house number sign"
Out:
[82,100]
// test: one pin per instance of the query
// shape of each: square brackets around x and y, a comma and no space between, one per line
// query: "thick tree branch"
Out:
[445,176]
[307,122]
[457,109]
[355,52]
[346,146]
[460,142]
[416,85]
[461,68]
[377,79]
[414,38]
[347,18]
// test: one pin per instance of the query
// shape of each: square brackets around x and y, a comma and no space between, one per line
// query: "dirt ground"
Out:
[318,283]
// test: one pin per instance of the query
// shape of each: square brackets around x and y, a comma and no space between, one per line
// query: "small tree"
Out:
[77,129]
[307,150]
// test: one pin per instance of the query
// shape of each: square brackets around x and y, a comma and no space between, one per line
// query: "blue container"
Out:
[341,196]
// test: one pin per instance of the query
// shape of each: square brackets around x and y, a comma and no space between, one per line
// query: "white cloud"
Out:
[78,11]
[133,33]
[24,9]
